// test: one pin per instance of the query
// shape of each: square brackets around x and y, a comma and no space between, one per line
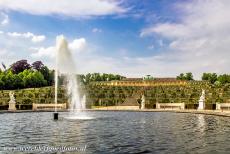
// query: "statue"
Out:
[12,99]
[12,102]
[143,102]
[202,101]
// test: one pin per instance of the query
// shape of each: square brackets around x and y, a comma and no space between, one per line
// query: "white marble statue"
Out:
[12,99]
[12,102]
[202,101]
[143,102]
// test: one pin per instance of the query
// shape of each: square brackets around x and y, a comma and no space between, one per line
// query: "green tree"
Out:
[217,83]
[181,77]
[48,74]
[9,80]
[211,77]
[223,79]
[2,83]
[189,76]
[18,82]
[38,79]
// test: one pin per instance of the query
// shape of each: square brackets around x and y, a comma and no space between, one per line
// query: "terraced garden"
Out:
[116,95]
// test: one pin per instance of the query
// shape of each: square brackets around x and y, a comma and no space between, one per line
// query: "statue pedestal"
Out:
[201,105]
[12,106]
[142,105]
[218,106]
[158,106]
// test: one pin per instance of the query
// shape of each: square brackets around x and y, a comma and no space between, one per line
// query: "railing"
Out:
[48,106]
[222,106]
[170,106]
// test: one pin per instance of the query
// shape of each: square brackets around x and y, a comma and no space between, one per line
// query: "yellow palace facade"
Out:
[142,83]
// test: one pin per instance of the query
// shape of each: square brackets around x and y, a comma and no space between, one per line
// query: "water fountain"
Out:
[65,65]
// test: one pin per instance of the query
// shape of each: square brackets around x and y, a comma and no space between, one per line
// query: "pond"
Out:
[115,132]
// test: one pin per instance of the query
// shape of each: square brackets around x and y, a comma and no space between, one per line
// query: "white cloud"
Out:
[5,53]
[76,8]
[34,38]
[166,29]
[96,30]
[44,52]
[77,45]
[4,19]
[199,41]
[38,38]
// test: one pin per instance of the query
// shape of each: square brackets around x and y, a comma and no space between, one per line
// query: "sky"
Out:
[162,38]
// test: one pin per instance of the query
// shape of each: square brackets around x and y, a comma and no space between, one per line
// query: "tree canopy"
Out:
[20,66]
[187,76]
[215,79]
[23,75]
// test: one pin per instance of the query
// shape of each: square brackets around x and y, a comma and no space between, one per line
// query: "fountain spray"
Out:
[56,87]
[66,66]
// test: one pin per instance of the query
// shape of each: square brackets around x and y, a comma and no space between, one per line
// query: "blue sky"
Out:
[132,37]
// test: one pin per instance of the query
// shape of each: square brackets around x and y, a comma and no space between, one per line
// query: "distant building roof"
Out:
[165,79]
[132,79]
[155,79]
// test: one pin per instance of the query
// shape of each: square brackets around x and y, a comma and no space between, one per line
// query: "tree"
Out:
[38,79]
[48,75]
[223,79]
[20,66]
[18,82]
[2,83]
[181,77]
[37,65]
[217,83]
[211,77]
[9,80]
[189,76]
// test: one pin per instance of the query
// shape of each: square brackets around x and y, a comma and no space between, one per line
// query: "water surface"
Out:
[119,132]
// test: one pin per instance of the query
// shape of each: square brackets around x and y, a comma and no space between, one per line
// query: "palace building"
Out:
[143,82]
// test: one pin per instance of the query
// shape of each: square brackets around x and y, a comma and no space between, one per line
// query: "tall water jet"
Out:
[56,85]
[65,66]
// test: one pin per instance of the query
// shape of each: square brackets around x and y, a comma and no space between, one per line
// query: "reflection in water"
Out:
[201,123]
[119,132]
[78,115]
